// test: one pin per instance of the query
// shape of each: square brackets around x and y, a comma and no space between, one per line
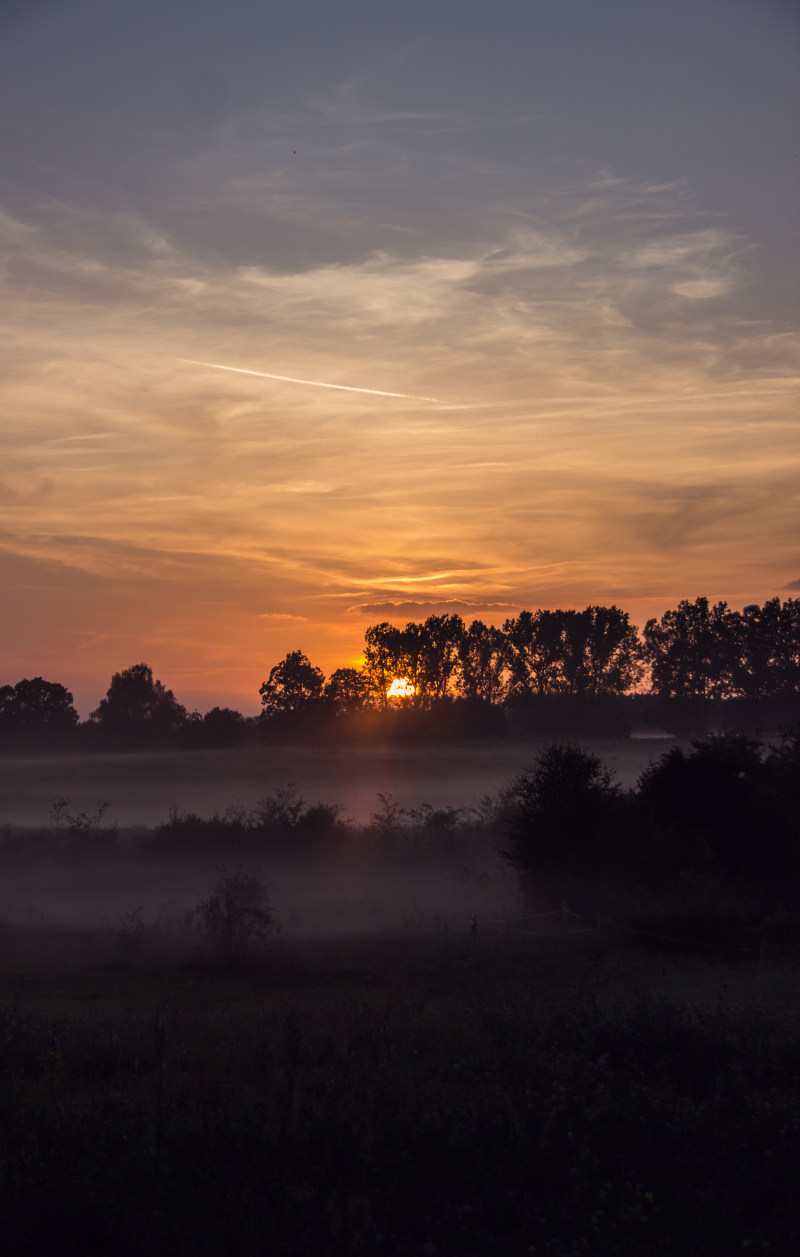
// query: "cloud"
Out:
[793,584]
[446,606]
[588,385]
[281,615]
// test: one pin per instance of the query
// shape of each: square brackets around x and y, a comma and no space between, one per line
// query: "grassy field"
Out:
[426,1093]
[381,1077]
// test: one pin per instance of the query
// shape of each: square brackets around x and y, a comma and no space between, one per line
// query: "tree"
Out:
[138,706]
[441,638]
[567,809]
[482,653]
[347,691]
[766,661]
[692,651]
[294,685]
[602,654]
[425,655]
[35,707]
[221,726]
[383,659]
[586,654]
[720,796]
[535,652]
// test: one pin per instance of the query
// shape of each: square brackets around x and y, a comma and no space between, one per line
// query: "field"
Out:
[379,1076]
[414,1094]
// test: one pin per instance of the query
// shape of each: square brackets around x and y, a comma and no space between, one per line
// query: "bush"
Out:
[236,920]
[568,810]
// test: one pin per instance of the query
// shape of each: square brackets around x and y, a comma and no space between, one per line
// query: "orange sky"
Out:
[610,341]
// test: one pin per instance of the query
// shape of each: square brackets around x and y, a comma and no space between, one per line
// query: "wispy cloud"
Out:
[596,351]
[442,606]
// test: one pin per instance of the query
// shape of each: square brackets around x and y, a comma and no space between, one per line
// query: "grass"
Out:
[378,1080]
[388,1096]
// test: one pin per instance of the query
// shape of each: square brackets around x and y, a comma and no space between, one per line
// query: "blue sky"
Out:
[574,225]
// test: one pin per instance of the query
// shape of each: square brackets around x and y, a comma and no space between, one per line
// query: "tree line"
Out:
[540,668]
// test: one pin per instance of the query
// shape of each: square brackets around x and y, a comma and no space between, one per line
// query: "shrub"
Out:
[236,920]
[567,811]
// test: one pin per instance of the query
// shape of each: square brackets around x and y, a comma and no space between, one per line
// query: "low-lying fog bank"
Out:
[157,897]
[141,788]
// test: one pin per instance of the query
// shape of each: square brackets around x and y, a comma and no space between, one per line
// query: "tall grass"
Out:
[417,1104]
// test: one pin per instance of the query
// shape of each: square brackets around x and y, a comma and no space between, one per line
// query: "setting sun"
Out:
[401,687]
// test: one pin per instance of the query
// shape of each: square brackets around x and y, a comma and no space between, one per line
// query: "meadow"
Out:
[284,1033]
[414,1094]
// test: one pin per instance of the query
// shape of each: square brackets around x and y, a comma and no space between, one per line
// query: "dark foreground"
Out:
[421,1096]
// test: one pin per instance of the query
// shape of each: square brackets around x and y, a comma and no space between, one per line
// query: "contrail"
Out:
[290,379]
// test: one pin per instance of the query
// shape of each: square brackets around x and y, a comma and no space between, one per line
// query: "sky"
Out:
[321,314]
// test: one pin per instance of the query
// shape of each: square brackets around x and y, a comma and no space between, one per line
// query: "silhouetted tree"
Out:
[766,657]
[221,726]
[535,653]
[691,651]
[413,644]
[294,685]
[585,654]
[602,653]
[441,638]
[383,659]
[137,706]
[482,655]
[719,796]
[425,655]
[36,709]
[347,691]
[567,807]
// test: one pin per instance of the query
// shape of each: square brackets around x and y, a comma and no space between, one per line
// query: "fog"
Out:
[367,882]
[142,788]
[310,899]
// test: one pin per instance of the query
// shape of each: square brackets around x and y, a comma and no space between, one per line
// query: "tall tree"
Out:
[383,659]
[482,655]
[767,657]
[602,654]
[691,650]
[535,652]
[293,685]
[347,691]
[442,636]
[136,703]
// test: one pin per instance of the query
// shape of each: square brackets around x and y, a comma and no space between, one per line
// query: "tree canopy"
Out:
[136,703]
[35,707]
[294,685]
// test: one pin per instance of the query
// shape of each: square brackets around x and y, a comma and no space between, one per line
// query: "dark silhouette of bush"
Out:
[568,814]
[236,921]
[720,797]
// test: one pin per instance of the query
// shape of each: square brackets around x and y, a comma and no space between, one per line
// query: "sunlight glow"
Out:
[401,687]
